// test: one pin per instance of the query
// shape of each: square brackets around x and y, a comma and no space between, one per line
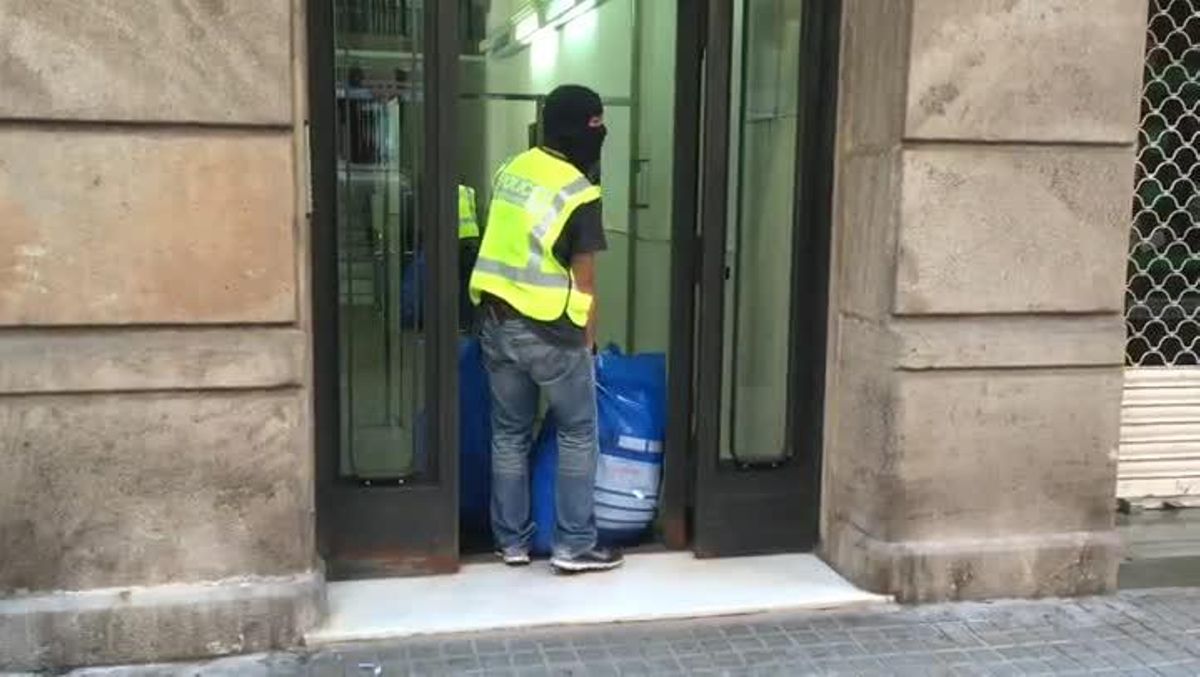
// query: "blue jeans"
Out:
[519,365]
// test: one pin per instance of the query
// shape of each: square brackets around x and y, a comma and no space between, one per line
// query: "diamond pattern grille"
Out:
[1162,299]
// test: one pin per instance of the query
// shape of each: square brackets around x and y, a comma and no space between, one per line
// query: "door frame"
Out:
[741,509]
[678,485]
[411,527]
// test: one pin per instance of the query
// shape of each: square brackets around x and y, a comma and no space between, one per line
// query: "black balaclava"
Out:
[565,127]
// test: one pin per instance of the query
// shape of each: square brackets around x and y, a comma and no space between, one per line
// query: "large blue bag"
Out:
[474,439]
[412,286]
[631,404]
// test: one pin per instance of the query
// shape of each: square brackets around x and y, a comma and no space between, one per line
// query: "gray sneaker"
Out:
[596,559]
[513,556]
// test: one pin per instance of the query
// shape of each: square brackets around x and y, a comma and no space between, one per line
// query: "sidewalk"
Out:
[1152,632]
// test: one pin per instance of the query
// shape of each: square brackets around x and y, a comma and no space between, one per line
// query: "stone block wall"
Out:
[155,428]
[985,175]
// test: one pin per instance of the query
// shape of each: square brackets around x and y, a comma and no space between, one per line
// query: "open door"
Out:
[384,283]
[769,84]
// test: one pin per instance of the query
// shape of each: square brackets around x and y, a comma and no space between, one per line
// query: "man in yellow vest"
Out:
[534,280]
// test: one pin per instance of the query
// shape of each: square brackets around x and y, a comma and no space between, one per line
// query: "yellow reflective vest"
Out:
[532,198]
[468,224]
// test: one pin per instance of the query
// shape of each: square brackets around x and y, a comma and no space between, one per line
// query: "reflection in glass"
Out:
[378,85]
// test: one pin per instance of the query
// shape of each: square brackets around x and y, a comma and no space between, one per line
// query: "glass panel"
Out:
[378,74]
[759,246]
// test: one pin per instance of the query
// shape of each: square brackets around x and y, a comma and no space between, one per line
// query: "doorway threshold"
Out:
[655,586]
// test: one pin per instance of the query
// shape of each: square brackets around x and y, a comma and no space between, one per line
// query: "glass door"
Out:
[763,268]
[384,225]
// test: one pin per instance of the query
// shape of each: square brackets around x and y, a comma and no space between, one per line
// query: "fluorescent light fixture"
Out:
[575,12]
[526,27]
[581,23]
[535,17]
[557,7]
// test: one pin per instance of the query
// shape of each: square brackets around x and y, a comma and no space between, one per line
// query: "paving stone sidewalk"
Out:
[1154,632]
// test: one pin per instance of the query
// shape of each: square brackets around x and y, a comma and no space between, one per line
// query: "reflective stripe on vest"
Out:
[468,225]
[532,272]
[532,199]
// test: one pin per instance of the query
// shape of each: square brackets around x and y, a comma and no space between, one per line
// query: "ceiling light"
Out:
[526,27]
[556,8]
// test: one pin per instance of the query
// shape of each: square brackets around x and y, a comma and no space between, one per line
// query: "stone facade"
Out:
[985,172]
[157,498]
[155,361]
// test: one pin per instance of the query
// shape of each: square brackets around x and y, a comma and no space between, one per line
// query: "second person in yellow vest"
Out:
[468,249]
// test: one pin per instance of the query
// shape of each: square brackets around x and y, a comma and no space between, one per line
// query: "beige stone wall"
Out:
[154,402]
[985,172]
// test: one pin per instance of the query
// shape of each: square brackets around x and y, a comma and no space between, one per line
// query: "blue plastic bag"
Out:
[631,407]
[412,286]
[474,439]
[541,490]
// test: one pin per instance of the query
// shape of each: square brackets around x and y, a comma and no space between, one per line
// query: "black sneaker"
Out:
[596,559]
[514,556]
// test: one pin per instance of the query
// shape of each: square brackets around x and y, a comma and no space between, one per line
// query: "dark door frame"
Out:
[711,507]
[691,19]
[408,528]
[742,509]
